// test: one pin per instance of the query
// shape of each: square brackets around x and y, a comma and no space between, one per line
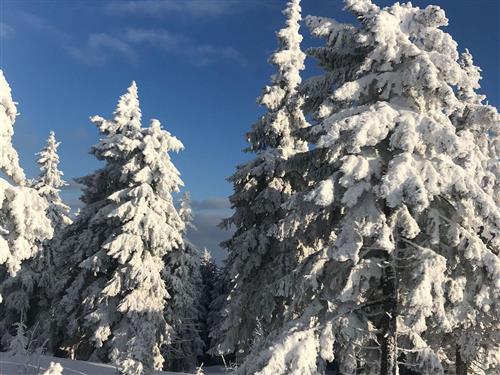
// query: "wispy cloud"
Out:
[162,8]
[209,54]
[82,133]
[6,31]
[217,203]
[96,50]
[158,37]
[196,53]
[39,24]
[100,47]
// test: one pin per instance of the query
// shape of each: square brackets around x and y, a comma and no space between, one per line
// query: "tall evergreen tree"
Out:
[184,311]
[258,265]
[32,288]
[209,275]
[400,206]
[23,223]
[114,300]
[49,183]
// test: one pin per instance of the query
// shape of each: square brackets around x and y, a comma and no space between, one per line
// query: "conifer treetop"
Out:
[50,181]
[127,114]
[185,210]
[48,160]
[288,58]
[275,129]
[206,257]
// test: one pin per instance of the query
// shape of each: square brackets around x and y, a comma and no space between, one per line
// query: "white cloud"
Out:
[217,203]
[161,8]
[182,45]
[41,25]
[99,47]
[157,37]
[6,31]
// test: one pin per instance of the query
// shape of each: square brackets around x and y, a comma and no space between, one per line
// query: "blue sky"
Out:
[199,66]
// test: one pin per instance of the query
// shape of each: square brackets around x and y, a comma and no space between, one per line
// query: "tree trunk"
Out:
[388,337]
[460,364]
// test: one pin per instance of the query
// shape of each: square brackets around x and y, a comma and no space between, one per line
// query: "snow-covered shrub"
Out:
[54,368]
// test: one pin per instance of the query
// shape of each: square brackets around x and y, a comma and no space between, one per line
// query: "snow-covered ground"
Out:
[16,366]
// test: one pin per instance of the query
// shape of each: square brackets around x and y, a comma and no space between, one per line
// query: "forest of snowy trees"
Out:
[366,222]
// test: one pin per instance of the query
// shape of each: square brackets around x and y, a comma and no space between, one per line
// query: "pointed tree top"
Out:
[289,58]
[51,140]
[293,13]
[128,111]
[127,115]
[185,210]
[276,128]
[50,179]
[206,256]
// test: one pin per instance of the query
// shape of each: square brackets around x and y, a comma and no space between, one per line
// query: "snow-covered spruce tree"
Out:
[32,288]
[184,310]
[23,223]
[259,265]
[114,300]
[217,310]
[209,276]
[18,346]
[402,207]
[49,183]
